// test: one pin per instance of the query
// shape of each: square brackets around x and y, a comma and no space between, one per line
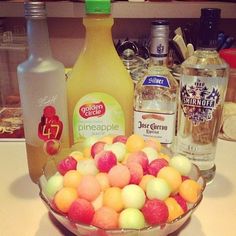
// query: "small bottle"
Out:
[203,86]
[100,89]
[42,89]
[156,93]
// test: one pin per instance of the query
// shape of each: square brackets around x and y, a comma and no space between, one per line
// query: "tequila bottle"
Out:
[203,85]
[156,93]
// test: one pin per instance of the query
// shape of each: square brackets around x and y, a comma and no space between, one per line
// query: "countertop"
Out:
[22,212]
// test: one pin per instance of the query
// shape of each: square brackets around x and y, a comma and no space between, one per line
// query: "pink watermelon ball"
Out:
[136,172]
[181,202]
[105,160]
[81,211]
[97,147]
[120,138]
[155,212]
[139,157]
[156,165]
[69,163]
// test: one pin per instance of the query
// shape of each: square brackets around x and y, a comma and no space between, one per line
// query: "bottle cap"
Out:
[229,55]
[98,6]
[209,22]
[35,10]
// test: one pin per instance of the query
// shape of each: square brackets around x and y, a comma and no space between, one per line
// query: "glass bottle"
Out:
[203,85]
[156,93]
[43,94]
[100,90]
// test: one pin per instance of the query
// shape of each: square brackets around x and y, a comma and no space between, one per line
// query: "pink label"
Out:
[92,110]
[50,126]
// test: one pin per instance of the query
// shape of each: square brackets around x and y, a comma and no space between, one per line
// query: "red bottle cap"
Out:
[229,55]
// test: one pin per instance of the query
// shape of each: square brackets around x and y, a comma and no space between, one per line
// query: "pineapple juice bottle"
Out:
[100,90]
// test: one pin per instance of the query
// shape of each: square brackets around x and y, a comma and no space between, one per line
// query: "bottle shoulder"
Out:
[205,59]
[39,65]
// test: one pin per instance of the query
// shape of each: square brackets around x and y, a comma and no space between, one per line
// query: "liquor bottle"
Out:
[203,85]
[100,90]
[155,103]
[42,89]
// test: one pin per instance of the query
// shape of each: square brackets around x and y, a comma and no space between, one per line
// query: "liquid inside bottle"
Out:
[100,90]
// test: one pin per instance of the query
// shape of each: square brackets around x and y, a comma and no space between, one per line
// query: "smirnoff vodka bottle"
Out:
[202,92]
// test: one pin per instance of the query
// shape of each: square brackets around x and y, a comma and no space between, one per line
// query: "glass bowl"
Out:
[90,230]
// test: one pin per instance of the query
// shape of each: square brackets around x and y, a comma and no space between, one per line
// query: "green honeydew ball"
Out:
[158,188]
[131,218]
[182,164]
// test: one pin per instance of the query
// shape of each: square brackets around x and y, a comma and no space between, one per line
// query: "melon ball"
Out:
[81,211]
[54,184]
[97,147]
[89,188]
[112,198]
[72,179]
[120,138]
[157,188]
[119,176]
[174,209]
[172,177]
[105,160]
[182,164]
[155,212]
[135,143]
[190,190]
[133,196]
[106,218]
[64,198]
[87,166]
[131,218]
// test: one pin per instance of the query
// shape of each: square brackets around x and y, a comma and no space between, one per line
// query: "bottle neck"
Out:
[98,32]
[38,38]
[159,51]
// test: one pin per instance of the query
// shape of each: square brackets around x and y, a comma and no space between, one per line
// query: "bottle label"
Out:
[97,114]
[200,97]
[154,80]
[158,125]
[50,126]
[159,47]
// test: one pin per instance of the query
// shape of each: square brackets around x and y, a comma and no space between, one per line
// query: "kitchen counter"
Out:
[22,212]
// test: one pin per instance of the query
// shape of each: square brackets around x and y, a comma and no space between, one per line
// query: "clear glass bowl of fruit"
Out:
[119,185]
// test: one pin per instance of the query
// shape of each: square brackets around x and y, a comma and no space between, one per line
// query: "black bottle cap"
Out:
[208,30]
[160,22]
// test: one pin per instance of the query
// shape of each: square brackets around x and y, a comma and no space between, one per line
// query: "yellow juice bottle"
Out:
[100,90]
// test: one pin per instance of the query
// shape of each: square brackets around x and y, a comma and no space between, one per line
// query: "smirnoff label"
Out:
[200,97]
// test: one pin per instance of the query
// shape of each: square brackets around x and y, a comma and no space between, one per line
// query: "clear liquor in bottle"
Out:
[155,102]
[203,85]
[42,89]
